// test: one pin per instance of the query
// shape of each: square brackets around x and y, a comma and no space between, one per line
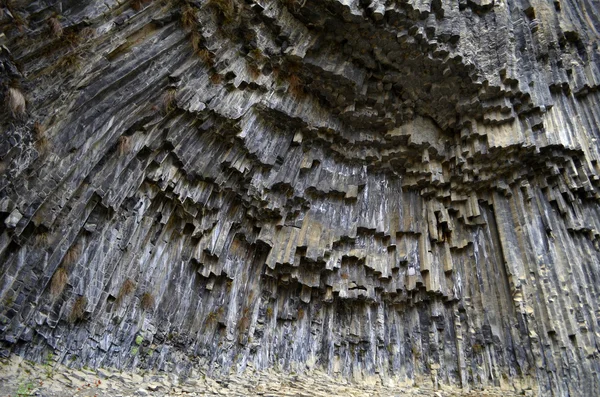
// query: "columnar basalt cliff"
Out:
[406,189]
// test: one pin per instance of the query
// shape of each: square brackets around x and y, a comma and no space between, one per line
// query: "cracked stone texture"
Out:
[398,189]
[33,379]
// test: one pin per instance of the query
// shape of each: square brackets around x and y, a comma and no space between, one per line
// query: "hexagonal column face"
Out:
[406,190]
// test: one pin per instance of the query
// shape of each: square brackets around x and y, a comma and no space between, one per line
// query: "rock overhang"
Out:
[304,181]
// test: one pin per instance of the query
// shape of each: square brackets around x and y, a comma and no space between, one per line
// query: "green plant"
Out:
[269,312]
[58,282]
[48,365]
[24,389]
[8,301]
[138,340]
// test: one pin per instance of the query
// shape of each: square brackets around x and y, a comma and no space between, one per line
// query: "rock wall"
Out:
[405,189]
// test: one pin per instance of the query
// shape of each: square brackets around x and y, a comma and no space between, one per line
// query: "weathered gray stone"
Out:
[390,191]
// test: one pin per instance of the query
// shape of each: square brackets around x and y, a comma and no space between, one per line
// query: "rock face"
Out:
[20,377]
[406,189]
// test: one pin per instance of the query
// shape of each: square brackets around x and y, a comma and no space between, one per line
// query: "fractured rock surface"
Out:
[18,377]
[401,189]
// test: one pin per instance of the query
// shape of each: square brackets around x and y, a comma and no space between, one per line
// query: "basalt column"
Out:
[400,189]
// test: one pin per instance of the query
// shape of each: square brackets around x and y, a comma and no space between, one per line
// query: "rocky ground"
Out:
[20,377]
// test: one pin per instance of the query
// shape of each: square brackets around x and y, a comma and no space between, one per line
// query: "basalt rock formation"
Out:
[406,189]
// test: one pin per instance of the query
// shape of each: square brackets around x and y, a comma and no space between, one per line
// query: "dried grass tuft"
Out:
[71,60]
[196,39]
[206,56]
[257,55]
[296,85]
[41,239]
[296,5]
[18,20]
[216,78]
[56,28]
[38,130]
[124,145]
[58,282]
[253,69]
[72,255]
[227,7]
[42,145]
[72,38]
[16,102]
[126,289]
[78,309]
[243,325]
[276,71]
[147,301]
[87,33]
[188,17]
[168,100]
[137,5]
